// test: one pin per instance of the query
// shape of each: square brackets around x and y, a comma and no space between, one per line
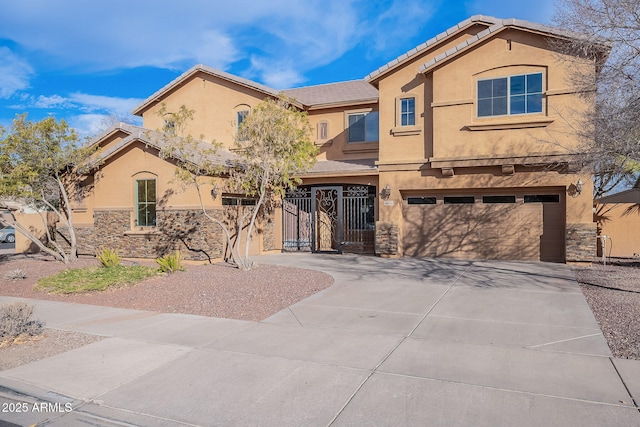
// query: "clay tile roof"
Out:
[488,20]
[499,25]
[334,93]
[152,138]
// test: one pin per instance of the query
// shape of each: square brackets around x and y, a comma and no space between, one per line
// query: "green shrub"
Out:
[108,257]
[170,263]
[17,274]
[15,320]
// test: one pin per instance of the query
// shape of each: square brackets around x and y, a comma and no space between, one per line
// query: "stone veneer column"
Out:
[581,242]
[386,238]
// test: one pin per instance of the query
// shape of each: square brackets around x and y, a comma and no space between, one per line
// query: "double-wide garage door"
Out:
[517,224]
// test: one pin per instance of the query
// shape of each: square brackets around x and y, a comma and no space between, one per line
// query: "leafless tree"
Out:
[607,32]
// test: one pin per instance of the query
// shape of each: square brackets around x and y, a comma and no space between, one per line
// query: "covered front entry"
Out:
[329,218]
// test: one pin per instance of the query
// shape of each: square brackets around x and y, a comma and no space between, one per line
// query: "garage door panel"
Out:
[525,231]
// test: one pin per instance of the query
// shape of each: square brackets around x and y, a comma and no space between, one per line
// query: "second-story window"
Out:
[520,94]
[323,130]
[240,116]
[363,127]
[408,112]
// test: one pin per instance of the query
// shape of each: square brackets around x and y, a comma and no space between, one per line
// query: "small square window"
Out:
[407,112]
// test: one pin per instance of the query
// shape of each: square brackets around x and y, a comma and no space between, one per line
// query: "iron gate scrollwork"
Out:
[329,219]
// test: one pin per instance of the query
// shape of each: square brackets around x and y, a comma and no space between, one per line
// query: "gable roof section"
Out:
[153,139]
[158,95]
[391,65]
[325,95]
[499,26]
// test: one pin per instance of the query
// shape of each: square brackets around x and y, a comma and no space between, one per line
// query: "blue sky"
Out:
[86,61]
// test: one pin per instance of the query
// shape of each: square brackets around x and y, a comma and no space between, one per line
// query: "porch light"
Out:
[579,186]
[386,192]
[215,191]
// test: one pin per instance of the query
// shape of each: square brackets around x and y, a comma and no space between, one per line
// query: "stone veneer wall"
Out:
[197,237]
[386,238]
[268,234]
[581,242]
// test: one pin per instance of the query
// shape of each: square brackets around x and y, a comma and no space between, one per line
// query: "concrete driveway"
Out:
[392,342]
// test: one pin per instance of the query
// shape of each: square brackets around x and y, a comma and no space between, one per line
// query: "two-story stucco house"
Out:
[461,147]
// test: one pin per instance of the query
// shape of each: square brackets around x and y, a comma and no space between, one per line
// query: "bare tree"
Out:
[272,146]
[607,32]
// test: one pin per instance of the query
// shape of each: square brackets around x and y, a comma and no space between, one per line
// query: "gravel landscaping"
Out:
[613,293]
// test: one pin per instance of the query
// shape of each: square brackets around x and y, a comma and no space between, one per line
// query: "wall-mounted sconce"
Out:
[215,191]
[386,192]
[579,185]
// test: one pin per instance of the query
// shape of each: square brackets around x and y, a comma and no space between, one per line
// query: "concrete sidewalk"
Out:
[392,342]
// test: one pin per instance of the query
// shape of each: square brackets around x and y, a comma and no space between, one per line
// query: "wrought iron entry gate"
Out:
[329,219]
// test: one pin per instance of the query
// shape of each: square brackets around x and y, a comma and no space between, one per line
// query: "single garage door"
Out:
[517,224]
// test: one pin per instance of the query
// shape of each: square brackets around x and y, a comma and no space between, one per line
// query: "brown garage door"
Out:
[523,225]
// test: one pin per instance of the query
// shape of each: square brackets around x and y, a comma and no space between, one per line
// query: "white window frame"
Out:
[509,95]
[407,113]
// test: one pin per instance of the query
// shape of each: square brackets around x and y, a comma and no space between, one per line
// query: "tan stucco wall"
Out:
[215,102]
[336,146]
[622,228]
[33,223]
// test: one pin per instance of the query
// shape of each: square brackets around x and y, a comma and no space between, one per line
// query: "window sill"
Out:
[323,143]
[511,124]
[142,232]
[406,130]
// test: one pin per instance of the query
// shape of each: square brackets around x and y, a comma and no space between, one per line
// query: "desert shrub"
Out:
[15,320]
[16,274]
[82,280]
[170,263]
[108,257]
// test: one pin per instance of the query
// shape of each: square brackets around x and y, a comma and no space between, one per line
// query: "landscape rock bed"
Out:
[613,293]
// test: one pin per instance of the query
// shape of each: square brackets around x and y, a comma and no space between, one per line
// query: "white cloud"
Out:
[94,36]
[55,101]
[94,107]
[114,105]
[15,73]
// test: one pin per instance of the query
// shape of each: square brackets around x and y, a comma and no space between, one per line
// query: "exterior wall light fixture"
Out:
[215,191]
[579,185]
[386,192]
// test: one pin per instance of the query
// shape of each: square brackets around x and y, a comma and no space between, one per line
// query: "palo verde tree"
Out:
[40,163]
[608,32]
[272,146]
[197,162]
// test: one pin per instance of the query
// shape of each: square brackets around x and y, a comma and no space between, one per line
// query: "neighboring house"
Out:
[618,218]
[457,148]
